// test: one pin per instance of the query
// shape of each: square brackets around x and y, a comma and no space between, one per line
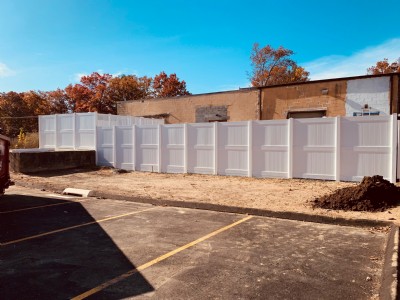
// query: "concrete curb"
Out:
[389,285]
[223,208]
[78,192]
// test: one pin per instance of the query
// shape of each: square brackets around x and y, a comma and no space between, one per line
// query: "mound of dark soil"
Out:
[372,194]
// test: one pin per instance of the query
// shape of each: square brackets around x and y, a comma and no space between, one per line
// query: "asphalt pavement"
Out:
[63,247]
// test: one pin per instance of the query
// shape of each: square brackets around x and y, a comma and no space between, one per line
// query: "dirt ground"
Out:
[291,195]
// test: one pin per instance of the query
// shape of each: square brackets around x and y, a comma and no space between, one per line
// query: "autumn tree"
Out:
[129,87]
[384,67]
[274,66]
[19,110]
[36,103]
[95,93]
[91,94]
[168,86]
[58,101]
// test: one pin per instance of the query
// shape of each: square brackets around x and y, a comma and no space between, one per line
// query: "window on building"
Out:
[220,120]
[306,114]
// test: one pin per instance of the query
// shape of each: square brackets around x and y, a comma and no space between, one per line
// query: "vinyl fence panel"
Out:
[173,148]
[103,120]
[314,148]
[47,132]
[270,148]
[105,146]
[125,147]
[65,131]
[147,148]
[365,147]
[201,148]
[78,130]
[85,131]
[232,151]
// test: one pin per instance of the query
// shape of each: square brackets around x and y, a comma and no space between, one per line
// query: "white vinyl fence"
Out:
[341,148]
[78,131]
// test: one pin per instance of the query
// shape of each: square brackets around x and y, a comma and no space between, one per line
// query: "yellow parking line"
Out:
[156,260]
[72,227]
[41,206]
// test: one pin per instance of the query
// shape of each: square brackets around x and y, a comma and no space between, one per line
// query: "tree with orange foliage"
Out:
[384,67]
[58,101]
[274,66]
[91,94]
[36,103]
[19,110]
[168,86]
[129,87]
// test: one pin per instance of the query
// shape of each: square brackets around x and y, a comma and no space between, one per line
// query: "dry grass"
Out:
[31,140]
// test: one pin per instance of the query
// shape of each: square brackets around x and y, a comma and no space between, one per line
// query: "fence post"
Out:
[159,147]
[74,131]
[134,147]
[290,148]
[393,149]
[337,149]
[185,147]
[95,146]
[250,148]
[114,143]
[56,131]
[216,148]
[398,154]
[40,132]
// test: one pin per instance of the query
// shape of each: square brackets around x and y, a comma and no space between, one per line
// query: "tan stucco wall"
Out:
[277,101]
[242,105]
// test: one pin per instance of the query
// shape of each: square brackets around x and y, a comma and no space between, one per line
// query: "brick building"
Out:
[350,96]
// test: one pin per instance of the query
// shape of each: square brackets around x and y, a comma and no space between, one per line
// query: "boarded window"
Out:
[211,114]
[306,114]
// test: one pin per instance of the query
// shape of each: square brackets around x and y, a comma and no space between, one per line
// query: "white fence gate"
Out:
[341,148]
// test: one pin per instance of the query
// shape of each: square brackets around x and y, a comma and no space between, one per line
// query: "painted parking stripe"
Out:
[73,227]
[41,206]
[156,260]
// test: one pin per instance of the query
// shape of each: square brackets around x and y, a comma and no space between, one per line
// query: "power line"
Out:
[19,117]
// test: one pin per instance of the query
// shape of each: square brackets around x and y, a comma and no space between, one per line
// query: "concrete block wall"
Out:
[36,160]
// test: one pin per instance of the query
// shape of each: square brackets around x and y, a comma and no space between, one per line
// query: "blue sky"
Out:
[46,44]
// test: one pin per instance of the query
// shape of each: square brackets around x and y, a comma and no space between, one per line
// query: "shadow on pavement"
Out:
[60,265]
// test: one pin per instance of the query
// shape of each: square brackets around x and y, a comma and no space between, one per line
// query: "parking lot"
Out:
[59,247]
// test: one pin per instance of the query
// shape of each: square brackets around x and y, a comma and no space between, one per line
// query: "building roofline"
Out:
[242,90]
[247,89]
[327,80]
